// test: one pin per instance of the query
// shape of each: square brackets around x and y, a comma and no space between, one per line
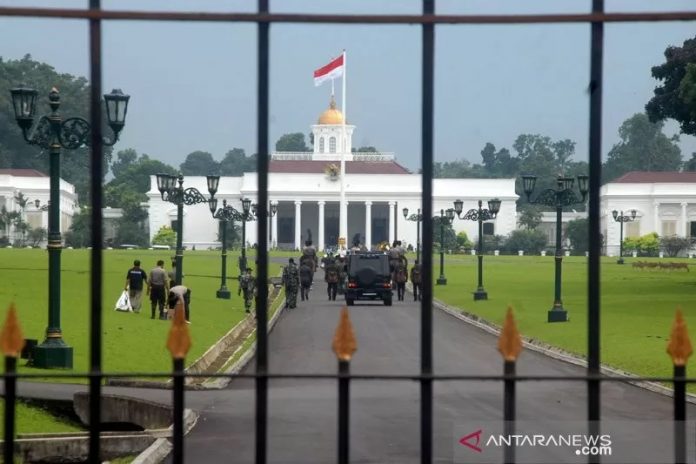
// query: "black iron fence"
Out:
[427,21]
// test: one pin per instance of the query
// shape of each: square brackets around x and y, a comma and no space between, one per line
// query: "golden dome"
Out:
[332,115]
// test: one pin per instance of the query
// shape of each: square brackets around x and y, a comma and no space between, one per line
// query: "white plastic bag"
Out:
[123,302]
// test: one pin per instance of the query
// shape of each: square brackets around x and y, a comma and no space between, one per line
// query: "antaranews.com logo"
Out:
[578,444]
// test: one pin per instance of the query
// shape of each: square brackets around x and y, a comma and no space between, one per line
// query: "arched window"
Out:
[321,145]
[332,144]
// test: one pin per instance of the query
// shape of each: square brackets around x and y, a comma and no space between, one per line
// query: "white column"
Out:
[320,226]
[656,218]
[685,232]
[298,225]
[391,222]
[368,225]
[274,226]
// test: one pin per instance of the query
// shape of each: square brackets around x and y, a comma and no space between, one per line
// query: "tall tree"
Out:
[292,142]
[74,95]
[133,179]
[236,163]
[691,164]
[124,159]
[643,147]
[676,97]
[200,163]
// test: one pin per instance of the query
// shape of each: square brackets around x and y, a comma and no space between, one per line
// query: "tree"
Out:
[643,147]
[131,227]
[133,179]
[74,93]
[200,163]
[165,236]
[577,234]
[236,163]
[691,164]
[79,234]
[530,216]
[124,159]
[36,236]
[292,142]
[463,240]
[676,98]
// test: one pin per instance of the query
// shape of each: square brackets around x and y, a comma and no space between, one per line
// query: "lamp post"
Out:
[418,217]
[40,207]
[479,215]
[445,217]
[562,196]
[620,218]
[166,184]
[53,132]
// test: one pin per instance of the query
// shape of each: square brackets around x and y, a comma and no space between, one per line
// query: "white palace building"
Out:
[308,188]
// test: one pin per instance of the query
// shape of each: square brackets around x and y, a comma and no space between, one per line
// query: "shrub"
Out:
[165,236]
[674,245]
[530,240]
[578,236]
[463,240]
[647,245]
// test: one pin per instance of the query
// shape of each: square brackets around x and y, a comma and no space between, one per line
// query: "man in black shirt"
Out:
[135,279]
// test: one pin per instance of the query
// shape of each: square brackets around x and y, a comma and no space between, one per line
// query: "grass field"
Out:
[32,419]
[131,342]
[636,313]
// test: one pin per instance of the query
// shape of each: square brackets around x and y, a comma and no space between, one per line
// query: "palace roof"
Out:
[656,177]
[352,167]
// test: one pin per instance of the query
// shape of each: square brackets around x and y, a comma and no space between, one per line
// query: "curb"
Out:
[238,365]
[161,448]
[555,352]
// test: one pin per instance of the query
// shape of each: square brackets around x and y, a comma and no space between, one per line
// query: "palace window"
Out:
[332,144]
[669,228]
[321,145]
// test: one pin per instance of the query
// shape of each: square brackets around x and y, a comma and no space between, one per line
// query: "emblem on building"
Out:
[332,172]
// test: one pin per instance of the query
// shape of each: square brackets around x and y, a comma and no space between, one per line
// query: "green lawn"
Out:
[131,342]
[33,419]
[636,313]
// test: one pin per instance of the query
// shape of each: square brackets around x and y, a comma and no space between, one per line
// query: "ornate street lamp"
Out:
[620,218]
[446,217]
[249,214]
[479,215]
[225,214]
[558,198]
[40,207]
[417,218]
[166,184]
[53,132]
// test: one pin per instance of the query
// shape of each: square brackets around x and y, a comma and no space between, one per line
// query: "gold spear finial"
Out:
[344,344]
[509,342]
[11,338]
[679,346]
[179,341]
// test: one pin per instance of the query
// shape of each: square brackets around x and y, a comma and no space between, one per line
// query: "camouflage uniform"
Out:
[291,280]
[332,276]
[247,284]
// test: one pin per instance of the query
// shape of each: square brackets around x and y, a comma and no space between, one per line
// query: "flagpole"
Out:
[343,213]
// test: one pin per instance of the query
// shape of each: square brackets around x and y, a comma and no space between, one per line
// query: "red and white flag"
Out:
[331,71]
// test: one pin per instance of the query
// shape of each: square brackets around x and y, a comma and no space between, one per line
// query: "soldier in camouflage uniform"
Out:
[247,284]
[291,280]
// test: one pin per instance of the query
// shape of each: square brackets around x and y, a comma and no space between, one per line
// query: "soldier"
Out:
[247,284]
[397,256]
[416,280]
[306,278]
[309,253]
[332,275]
[291,280]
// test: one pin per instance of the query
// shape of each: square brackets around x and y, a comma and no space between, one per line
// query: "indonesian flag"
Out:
[331,71]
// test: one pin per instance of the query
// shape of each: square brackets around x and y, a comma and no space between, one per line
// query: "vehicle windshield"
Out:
[377,263]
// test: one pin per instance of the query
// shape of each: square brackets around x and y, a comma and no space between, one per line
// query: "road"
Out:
[385,414]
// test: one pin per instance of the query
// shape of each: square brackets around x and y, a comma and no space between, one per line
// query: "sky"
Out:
[193,86]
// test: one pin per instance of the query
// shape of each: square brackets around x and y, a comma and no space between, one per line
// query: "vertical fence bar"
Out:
[344,345]
[593,267]
[96,167]
[679,348]
[262,237]
[427,95]
[510,346]
[10,402]
[11,343]
[178,344]
[178,402]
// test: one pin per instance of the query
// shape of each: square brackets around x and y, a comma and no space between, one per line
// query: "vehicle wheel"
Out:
[388,302]
[350,302]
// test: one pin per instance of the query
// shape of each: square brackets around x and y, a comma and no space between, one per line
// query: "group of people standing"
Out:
[299,279]
[160,286]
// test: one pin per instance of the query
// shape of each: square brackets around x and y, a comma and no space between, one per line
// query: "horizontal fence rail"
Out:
[344,342]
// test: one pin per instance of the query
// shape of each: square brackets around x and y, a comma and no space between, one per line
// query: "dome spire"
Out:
[331,116]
